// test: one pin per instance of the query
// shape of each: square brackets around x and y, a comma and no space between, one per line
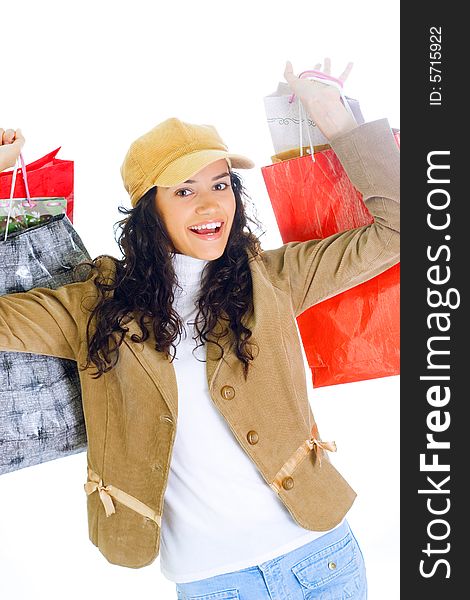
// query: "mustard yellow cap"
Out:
[171,153]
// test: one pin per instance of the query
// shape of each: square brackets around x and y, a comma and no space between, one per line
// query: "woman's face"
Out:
[205,199]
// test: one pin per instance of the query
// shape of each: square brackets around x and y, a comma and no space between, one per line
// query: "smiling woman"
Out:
[200,190]
[199,218]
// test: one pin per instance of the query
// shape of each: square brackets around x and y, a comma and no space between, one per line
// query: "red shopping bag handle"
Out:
[25,178]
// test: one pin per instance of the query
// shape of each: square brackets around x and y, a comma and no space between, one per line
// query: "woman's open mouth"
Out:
[213,231]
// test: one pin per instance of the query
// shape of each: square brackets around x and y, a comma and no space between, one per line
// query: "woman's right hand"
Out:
[11,143]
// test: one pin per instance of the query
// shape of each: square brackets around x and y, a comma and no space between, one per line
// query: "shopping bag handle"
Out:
[20,164]
[328,79]
[20,161]
[25,178]
[322,75]
[323,78]
[319,76]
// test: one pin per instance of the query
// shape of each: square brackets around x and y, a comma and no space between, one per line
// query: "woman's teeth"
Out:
[209,227]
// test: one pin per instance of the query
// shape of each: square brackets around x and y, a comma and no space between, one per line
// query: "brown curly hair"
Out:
[143,286]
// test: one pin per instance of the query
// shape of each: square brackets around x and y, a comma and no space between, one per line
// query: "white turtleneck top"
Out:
[219,515]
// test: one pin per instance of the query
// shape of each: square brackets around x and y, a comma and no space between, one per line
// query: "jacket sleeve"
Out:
[44,321]
[315,270]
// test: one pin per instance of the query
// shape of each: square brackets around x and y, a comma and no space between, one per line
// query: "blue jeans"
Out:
[328,568]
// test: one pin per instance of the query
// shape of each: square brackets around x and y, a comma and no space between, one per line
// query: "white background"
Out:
[93,76]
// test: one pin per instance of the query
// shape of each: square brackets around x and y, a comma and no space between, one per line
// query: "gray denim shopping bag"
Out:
[41,415]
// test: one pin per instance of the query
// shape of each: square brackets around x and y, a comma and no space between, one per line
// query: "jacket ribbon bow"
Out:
[108,492]
[105,492]
[313,443]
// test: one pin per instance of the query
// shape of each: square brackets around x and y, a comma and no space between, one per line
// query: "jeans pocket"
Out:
[333,573]
[231,594]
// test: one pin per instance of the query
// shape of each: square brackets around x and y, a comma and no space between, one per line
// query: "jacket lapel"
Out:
[214,362]
[156,365]
[162,371]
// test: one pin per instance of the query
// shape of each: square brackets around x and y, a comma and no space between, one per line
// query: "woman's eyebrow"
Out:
[213,179]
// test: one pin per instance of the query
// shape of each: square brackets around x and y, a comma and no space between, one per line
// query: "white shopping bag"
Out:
[288,122]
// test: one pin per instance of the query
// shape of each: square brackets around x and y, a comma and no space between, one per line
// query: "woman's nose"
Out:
[207,204]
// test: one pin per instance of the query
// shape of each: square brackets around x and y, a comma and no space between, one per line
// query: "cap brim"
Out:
[185,167]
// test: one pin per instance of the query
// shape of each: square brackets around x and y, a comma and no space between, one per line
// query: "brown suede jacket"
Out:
[131,412]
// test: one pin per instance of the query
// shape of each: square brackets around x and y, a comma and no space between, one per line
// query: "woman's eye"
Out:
[181,194]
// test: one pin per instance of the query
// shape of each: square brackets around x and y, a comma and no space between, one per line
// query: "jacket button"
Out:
[287,483]
[227,392]
[252,437]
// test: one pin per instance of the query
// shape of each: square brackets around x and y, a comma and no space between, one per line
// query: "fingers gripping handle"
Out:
[326,79]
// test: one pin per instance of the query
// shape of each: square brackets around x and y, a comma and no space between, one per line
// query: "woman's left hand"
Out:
[323,101]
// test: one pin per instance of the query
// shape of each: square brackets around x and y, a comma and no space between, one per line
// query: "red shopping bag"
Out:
[355,335]
[47,176]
